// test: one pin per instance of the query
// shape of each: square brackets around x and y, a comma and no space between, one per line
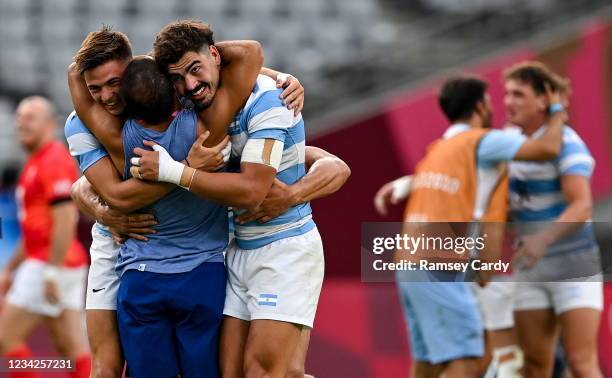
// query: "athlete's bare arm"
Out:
[65,217]
[293,95]
[326,174]
[244,190]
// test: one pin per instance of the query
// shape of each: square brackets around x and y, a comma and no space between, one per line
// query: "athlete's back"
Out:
[191,230]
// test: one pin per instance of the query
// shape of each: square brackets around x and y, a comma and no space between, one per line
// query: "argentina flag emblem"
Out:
[267,300]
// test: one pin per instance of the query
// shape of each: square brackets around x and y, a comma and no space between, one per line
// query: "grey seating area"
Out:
[343,51]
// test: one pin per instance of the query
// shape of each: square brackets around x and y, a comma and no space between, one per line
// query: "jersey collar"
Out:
[455,129]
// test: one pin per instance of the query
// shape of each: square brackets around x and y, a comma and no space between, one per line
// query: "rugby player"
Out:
[49,263]
[478,157]
[275,268]
[557,194]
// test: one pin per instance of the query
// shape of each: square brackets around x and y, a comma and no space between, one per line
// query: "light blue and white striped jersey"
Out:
[536,194]
[265,117]
[84,146]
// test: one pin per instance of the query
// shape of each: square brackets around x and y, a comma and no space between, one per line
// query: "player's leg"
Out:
[145,330]
[16,325]
[537,333]
[68,337]
[103,336]
[101,306]
[580,305]
[234,333]
[297,366]
[462,367]
[270,347]
[283,282]
[195,299]
[235,327]
[496,304]
[24,308]
[66,329]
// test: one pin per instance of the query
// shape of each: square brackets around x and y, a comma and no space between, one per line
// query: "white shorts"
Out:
[560,296]
[27,290]
[563,283]
[279,281]
[103,280]
[496,303]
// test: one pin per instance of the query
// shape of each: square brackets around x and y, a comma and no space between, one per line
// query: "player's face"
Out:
[104,82]
[196,75]
[32,123]
[523,105]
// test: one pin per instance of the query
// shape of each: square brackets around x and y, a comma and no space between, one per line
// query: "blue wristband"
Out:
[555,108]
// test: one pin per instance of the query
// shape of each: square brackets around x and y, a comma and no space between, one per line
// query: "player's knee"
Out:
[582,363]
[257,366]
[295,372]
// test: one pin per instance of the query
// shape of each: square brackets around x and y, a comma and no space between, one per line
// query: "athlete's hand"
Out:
[277,202]
[134,225]
[293,94]
[383,198]
[51,291]
[156,165]
[117,237]
[531,248]
[146,165]
[209,159]
[555,97]
[5,282]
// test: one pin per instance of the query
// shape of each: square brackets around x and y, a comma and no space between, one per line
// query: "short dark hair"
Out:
[148,93]
[535,74]
[459,96]
[102,46]
[180,37]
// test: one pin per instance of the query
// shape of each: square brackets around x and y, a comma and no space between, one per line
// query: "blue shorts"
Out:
[443,321]
[169,323]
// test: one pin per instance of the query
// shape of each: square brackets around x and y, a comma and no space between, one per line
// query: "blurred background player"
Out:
[49,264]
[465,103]
[561,246]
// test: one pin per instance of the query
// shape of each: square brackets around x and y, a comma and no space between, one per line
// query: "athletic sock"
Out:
[509,361]
[20,353]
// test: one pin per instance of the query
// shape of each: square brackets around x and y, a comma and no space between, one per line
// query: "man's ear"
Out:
[542,102]
[214,52]
[481,108]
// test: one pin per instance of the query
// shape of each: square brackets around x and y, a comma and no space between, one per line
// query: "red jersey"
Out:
[46,180]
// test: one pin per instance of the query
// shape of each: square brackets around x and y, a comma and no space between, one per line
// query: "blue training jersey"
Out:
[265,117]
[191,229]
